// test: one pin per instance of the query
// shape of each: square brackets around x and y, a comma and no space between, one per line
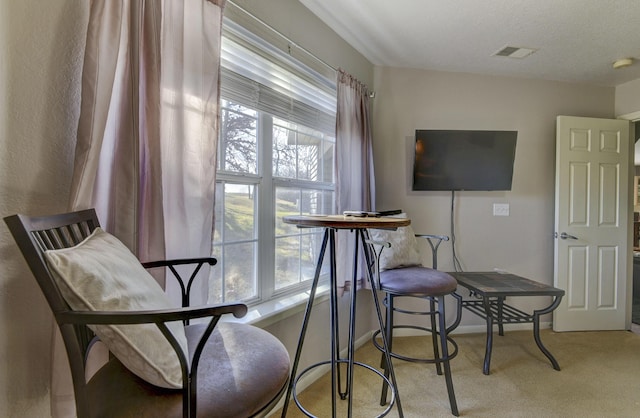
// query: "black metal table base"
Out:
[343,395]
[496,310]
[329,239]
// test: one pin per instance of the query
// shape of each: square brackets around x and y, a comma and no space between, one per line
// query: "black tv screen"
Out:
[464,160]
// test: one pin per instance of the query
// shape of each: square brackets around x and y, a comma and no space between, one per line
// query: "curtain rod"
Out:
[283,36]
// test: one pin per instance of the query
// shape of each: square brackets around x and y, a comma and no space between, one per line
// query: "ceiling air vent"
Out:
[515,52]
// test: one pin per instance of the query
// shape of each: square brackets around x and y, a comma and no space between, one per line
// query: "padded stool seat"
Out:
[225,388]
[417,281]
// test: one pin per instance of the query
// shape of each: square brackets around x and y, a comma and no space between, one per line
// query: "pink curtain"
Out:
[355,184]
[147,135]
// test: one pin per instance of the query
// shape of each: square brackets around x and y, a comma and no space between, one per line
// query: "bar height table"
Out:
[358,226]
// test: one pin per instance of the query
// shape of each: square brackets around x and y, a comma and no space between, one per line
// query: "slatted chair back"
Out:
[35,235]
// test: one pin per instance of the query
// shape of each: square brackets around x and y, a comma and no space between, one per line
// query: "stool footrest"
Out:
[452,354]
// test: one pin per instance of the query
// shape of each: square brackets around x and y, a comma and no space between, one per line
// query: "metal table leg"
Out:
[500,315]
[305,323]
[385,342]
[487,354]
[536,330]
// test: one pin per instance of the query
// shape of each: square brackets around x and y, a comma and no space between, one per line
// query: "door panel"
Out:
[576,291]
[579,194]
[607,261]
[592,210]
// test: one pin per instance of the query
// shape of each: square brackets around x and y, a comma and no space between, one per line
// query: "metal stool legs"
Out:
[439,337]
[445,356]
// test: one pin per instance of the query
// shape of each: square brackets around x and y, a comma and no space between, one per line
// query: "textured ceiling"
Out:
[576,40]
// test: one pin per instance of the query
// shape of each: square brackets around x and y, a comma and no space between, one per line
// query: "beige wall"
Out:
[41,57]
[521,243]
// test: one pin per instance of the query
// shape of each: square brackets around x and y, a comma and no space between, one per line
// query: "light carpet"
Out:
[599,377]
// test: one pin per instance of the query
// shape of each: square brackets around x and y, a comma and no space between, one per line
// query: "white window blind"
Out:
[264,78]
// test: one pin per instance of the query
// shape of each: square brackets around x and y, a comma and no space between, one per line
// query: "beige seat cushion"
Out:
[101,274]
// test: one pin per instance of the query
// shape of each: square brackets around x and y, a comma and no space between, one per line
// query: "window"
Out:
[275,158]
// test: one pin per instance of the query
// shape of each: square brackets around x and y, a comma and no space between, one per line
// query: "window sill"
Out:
[275,310]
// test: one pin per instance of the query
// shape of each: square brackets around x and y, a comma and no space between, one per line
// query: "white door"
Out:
[592,243]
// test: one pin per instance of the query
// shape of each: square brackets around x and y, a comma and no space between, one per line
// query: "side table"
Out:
[492,288]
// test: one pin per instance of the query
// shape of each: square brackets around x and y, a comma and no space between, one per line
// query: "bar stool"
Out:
[399,273]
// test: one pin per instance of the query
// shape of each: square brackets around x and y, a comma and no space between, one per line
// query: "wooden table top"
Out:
[346,222]
[504,284]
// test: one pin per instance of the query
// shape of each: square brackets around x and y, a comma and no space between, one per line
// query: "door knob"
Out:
[564,235]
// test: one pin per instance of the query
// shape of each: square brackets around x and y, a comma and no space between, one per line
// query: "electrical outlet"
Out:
[500,209]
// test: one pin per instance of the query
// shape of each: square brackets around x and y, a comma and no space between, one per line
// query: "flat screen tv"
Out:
[464,160]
